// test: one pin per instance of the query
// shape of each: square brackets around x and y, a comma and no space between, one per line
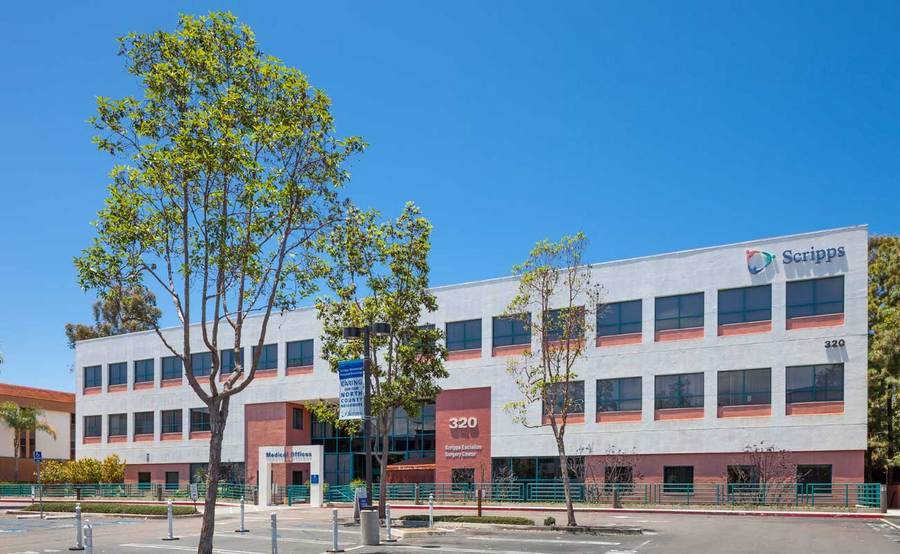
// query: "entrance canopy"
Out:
[310,454]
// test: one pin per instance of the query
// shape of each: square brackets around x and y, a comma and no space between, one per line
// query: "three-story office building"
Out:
[694,357]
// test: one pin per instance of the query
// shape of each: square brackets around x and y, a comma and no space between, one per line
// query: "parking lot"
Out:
[307,531]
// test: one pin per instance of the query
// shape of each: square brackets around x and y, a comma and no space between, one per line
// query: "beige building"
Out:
[59,413]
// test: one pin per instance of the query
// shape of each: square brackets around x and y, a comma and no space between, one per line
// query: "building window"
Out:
[678,479]
[171,421]
[619,318]
[300,353]
[143,477]
[462,475]
[227,360]
[199,419]
[816,478]
[564,324]
[143,423]
[743,475]
[511,330]
[93,426]
[745,387]
[815,297]
[684,311]
[172,480]
[118,373]
[815,383]
[684,390]
[268,357]
[143,371]
[171,367]
[93,377]
[201,364]
[745,305]
[117,425]
[297,418]
[464,335]
[619,395]
[556,398]
[619,477]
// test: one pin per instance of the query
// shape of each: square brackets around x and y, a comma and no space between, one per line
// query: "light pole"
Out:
[351,333]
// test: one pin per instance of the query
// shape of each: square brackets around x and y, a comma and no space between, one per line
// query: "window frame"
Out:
[295,411]
[140,371]
[617,398]
[659,399]
[142,417]
[303,359]
[94,383]
[168,429]
[467,342]
[121,369]
[178,366]
[121,420]
[743,388]
[573,404]
[814,389]
[229,353]
[99,419]
[680,315]
[678,487]
[743,311]
[515,338]
[549,323]
[203,359]
[619,324]
[201,424]
[815,303]
[264,362]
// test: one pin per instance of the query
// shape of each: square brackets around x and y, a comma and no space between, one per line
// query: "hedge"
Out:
[502,520]
[110,508]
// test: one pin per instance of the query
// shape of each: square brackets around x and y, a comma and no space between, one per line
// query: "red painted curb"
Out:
[836,515]
[113,501]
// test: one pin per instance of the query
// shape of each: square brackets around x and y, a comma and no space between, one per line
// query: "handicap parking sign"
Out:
[38,456]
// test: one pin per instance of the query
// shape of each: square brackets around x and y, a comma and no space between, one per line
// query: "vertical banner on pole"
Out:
[352,389]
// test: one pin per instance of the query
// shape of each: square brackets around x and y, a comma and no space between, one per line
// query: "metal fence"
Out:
[135,491]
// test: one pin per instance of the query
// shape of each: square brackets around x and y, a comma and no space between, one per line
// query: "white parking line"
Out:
[269,538]
[185,548]
[553,541]
[444,548]
[891,524]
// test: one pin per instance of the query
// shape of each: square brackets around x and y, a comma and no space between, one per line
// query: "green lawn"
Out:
[111,508]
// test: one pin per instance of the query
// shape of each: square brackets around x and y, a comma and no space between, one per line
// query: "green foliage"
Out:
[549,520]
[112,508]
[23,420]
[498,520]
[84,470]
[884,350]
[116,312]
[327,411]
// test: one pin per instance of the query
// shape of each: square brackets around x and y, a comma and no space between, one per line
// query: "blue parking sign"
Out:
[38,456]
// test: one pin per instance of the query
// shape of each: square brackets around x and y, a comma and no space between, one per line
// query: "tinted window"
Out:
[815,383]
[268,357]
[300,353]
[118,373]
[117,425]
[464,335]
[815,297]
[201,364]
[678,479]
[556,397]
[93,426]
[297,418]
[171,421]
[815,474]
[509,330]
[745,305]
[684,311]
[227,359]
[199,419]
[679,391]
[564,324]
[171,367]
[745,387]
[143,423]
[619,318]
[619,395]
[743,474]
[143,371]
[93,376]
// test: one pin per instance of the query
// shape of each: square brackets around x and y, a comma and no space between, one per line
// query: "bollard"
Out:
[242,528]
[335,544]
[387,523]
[417,494]
[882,498]
[88,538]
[170,516]
[274,534]
[431,510]
[479,501]
[79,541]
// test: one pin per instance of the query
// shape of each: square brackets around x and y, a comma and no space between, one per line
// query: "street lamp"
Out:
[354,333]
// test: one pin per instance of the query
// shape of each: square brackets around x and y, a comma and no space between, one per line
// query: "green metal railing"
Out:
[147,491]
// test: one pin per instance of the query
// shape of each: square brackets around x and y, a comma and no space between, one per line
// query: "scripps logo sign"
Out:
[759,260]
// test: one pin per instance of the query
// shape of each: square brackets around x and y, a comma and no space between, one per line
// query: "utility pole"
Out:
[367,413]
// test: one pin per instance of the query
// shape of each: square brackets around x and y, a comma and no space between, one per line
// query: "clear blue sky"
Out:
[652,126]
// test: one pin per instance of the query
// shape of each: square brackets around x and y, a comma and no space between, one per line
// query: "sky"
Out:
[650,126]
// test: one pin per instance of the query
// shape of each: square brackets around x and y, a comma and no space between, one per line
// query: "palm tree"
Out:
[23,421]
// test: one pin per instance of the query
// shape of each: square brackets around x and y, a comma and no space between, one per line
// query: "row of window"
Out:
[684,311]
[742,387]
[143,423]
[299,354]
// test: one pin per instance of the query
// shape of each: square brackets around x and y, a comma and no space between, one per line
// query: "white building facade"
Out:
[696,357]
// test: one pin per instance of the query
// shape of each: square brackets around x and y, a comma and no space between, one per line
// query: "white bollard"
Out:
[242,528]
[170,516]
[431,510]
[335,544]
[387,523]
[79,540]
[88,538]
[274,534]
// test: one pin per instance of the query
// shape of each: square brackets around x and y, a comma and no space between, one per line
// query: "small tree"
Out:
[23,421]
[380,275]
[226,185]
[769,470]
[556,290]
[116,312]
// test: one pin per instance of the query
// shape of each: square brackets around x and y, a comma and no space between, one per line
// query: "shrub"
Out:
[84,470]
[111,508]
[500,520]
[549,520]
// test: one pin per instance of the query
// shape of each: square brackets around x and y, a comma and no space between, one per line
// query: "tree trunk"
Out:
[218,414]
[16,456]
[564,470]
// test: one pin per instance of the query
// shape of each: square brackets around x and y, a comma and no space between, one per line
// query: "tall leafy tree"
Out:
[227,179]
[884,353]
[380,275]
[116,312]
[23,421]
[555,294]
